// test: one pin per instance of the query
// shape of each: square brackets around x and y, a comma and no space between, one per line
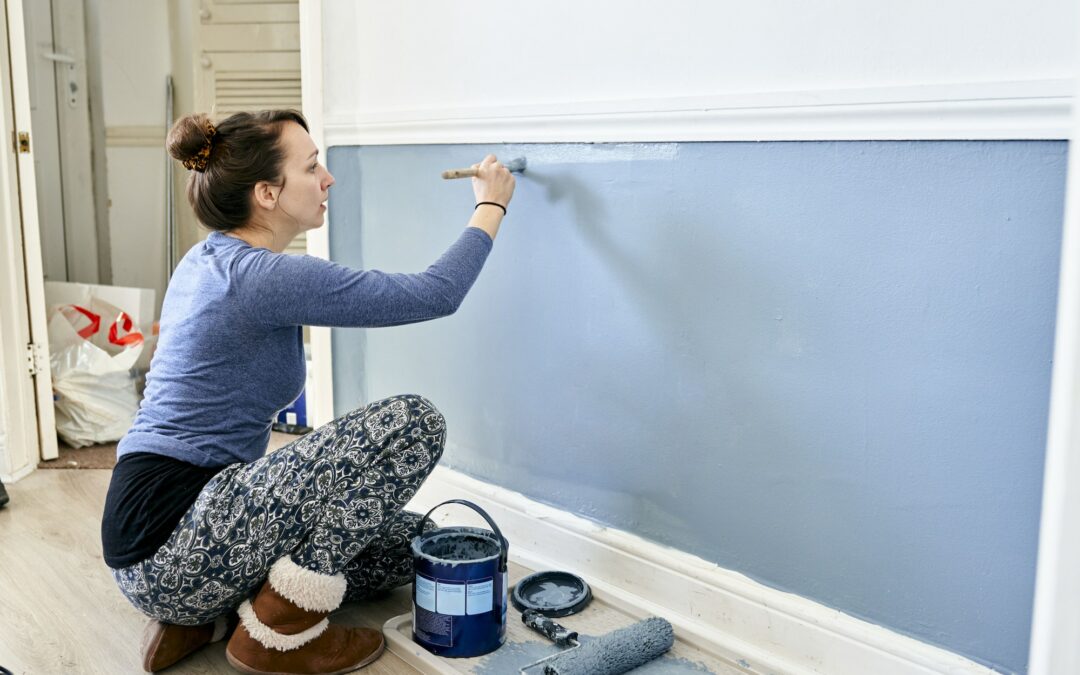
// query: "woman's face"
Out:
[307,182]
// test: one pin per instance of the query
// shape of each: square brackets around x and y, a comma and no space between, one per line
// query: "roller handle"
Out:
[554,631]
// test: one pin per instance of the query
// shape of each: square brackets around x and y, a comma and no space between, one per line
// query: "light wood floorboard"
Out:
[60,611]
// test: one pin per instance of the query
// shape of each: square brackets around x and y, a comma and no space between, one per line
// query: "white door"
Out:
[87,240]
[74,248]
[249,59]
[27,424]
[42,58]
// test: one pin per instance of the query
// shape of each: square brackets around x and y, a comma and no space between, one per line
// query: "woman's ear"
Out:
[266,195]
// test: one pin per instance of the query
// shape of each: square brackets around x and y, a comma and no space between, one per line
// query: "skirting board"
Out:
[16,476]
[722,611]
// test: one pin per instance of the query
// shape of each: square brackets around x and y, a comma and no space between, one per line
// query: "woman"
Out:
[198,522]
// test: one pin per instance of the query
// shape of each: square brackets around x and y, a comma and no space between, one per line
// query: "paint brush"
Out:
[516,165]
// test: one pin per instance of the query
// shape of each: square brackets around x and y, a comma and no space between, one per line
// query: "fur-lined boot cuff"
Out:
[310,590]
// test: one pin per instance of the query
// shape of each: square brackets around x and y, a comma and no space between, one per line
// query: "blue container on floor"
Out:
[296,413]
[460,588]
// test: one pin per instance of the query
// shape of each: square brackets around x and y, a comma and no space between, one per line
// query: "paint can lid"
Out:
[552,593]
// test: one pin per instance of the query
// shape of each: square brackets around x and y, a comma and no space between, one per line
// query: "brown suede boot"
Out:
[164,644]
[284,630]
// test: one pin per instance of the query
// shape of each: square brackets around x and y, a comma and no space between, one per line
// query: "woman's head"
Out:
[252,169]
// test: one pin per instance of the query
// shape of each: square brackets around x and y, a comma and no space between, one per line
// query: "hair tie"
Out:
[199,161]
[479,204]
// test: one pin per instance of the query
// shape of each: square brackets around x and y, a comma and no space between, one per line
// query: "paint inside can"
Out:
[460,588]
[451,546]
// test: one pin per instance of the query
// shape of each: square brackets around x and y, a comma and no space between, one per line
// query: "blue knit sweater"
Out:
[230,351]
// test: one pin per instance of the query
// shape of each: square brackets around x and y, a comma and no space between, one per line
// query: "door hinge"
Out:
[20,142]
[35,358]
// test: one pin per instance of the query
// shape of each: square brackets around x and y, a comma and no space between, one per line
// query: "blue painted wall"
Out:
[824,365]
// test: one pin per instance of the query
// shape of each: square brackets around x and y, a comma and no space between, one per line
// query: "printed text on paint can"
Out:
[455,599]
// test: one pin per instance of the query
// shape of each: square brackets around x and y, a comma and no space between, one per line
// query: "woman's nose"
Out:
[329,179]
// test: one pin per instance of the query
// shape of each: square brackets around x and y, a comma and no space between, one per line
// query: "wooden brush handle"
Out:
[460,173]
[516,165]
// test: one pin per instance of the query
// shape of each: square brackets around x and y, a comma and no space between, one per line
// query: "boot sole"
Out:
[244,668]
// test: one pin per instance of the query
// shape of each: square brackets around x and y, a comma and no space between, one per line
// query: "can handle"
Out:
[483,514]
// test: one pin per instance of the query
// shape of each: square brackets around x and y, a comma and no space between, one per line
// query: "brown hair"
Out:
[227,161]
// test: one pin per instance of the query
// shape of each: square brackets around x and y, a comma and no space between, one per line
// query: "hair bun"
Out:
[190,141]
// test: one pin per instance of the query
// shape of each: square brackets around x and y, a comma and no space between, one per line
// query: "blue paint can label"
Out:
[438,629]
[505,579]
[481,597]
[450,598]
[425,592]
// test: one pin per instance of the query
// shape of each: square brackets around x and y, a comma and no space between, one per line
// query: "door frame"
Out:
[320,399]
[27,396]
[1056,617]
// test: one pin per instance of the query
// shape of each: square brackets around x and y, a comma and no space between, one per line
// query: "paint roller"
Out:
[515,166]
[613,654]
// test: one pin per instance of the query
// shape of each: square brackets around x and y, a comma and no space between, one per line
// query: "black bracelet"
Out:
[493,204]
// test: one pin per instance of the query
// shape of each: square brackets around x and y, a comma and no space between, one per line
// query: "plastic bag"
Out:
[93,351]
[138,303]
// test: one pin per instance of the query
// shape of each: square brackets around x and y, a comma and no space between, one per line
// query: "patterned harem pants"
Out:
[332,500]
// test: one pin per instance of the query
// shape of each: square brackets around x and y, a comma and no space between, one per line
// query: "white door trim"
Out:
[24,398]
[32,257]
[1056,620]
[19,443]
[321,400]
[1005,110]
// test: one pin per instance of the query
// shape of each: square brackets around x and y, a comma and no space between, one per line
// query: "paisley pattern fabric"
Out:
[333,500]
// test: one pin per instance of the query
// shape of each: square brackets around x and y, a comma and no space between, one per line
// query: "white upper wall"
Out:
[390,63]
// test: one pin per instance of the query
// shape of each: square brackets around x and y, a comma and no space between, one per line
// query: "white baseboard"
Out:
[15,476]
[720,611]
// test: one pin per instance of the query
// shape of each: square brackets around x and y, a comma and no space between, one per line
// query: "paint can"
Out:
[460,587]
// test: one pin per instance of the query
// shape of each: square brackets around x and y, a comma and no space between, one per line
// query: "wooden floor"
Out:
[60,611]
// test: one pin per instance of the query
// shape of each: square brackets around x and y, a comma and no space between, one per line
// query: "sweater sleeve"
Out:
[287,290]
